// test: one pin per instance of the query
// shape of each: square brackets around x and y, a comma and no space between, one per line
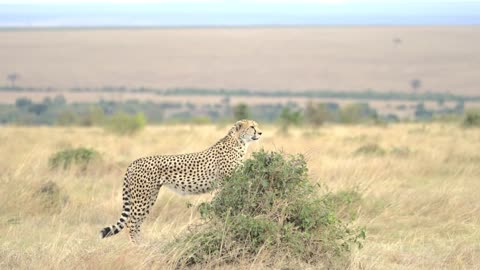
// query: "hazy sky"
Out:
[239,12]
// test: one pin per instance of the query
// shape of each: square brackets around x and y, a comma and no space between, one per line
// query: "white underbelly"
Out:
[177,190]
[187,191]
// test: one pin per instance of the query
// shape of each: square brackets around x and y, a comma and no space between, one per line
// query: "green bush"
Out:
[472,119]
[316,114]
[94,117]
[241,111]
[125,124]
[289,117]
[401,151]
[201,120]
[269,205]
[66,118]
[357,113]
[370,149]
[78,156]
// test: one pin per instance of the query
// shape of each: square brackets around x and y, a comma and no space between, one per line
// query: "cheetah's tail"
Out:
[116,228]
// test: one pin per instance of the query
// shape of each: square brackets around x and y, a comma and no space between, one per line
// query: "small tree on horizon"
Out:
[397,41]
[13,77]
[289,117]
[415,84]
[317,114]
[241,111]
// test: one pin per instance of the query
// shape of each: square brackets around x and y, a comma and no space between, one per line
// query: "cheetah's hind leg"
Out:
[143,199]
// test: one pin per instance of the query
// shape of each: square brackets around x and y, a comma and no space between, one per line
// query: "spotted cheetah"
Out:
[187,173]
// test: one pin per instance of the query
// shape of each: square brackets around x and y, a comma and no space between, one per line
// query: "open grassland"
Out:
[444,58]
[419,186]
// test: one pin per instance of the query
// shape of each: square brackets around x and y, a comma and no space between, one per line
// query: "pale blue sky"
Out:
[26,13]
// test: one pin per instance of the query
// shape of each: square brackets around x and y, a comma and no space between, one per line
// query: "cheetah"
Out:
[192,173]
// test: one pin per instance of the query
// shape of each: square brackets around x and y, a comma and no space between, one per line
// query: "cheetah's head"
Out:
[247,130]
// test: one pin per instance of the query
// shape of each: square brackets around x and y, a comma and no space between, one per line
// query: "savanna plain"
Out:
[419,194]
[444,58]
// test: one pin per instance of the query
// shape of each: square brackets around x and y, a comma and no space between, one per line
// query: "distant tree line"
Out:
[358,95]
[56,111]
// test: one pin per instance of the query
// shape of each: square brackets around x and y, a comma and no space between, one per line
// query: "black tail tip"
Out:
[106,232]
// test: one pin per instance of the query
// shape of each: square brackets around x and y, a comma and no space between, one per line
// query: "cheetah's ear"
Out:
[238,125]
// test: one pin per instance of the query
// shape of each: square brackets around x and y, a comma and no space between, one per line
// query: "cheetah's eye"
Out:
[252,127]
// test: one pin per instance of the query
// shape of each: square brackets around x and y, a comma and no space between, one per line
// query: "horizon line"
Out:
[209,26]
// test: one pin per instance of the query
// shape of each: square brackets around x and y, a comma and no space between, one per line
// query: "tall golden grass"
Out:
[420,201]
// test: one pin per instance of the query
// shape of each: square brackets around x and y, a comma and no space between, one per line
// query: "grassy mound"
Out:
[50,198]
[372,149]
[269,210]
[73,156]
[472,118]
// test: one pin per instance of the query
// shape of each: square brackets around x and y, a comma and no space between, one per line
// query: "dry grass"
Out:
[420,204]
[445,58]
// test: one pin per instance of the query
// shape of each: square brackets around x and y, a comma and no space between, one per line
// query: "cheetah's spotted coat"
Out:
[188,173]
